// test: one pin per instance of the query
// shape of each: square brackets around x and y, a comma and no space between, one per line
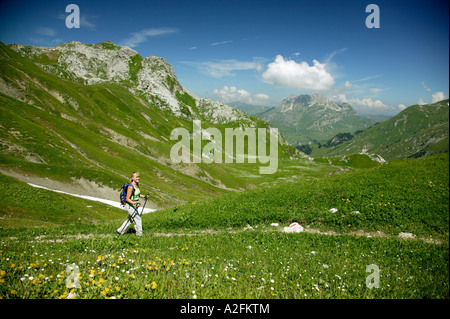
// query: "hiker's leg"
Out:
[138,224]
[136,220]
[128,221]
[121,230]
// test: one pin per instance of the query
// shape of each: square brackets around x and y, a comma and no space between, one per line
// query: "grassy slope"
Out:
[27,207]
[413,132]
[102,133]
[250,264]
[401,196]
[408,195]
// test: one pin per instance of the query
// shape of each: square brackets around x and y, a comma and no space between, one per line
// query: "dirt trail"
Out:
[379,234]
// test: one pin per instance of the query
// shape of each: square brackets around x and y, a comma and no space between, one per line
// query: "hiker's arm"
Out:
[128,199]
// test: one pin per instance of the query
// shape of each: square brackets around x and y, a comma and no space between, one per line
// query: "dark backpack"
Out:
[123,193]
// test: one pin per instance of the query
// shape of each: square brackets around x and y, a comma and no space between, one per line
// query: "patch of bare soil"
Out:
[79,186]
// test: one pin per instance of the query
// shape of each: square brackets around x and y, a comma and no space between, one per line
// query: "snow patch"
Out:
[101,200]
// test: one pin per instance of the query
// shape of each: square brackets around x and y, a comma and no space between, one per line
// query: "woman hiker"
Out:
[133,193]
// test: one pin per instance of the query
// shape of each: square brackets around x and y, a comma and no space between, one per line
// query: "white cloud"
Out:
[377,90]
[85,23]
[288,73]
[435,97]
[220,68]
[331,56]
[438,96]
[232,94]
[45,41]
[138,37]
[425,87]
[44,31]
[368,105]
[262,96]
[365,88]
[223,42]
[84,20]
[368,78]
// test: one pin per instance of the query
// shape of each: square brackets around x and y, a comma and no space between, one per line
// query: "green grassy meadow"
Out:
[226,248]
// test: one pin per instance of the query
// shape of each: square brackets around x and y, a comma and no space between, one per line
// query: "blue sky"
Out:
[263,51]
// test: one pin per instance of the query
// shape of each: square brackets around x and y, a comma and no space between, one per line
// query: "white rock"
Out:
[406,235]
[293,228]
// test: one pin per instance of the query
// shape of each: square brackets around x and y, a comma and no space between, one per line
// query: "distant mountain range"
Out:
[417,131]
[250,109]
[320,127]
[310,118]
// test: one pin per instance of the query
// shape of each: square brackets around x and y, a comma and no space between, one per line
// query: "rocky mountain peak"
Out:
[311,117]
[308,100]
[152,77]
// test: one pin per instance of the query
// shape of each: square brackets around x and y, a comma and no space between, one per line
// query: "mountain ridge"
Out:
[152,78]
[54,125]
[307,118]
[417,131]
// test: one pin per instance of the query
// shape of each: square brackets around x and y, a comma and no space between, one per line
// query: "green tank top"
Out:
[135,197]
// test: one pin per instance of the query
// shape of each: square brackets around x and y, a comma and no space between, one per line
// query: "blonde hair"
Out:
[133,174]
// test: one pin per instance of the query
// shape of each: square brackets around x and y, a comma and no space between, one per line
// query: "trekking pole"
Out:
[136,211]
[142,211]
[146,197]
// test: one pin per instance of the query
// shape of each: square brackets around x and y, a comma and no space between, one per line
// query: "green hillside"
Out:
[81,118]
[226,248]
[56,127]
[401,196]
[417,131]
[25,206]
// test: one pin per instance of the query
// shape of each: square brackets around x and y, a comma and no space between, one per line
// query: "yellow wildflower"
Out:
[64,295]
[105,292]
